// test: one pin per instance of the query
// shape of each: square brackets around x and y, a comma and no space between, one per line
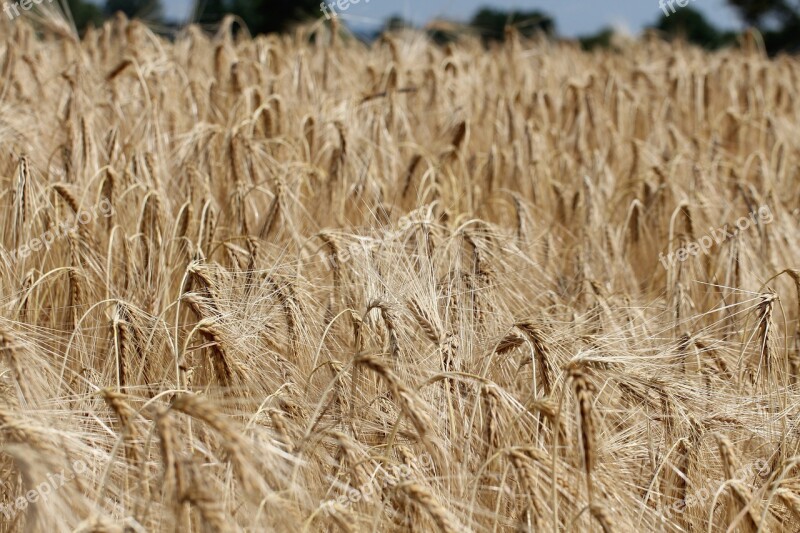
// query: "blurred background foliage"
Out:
[778,21]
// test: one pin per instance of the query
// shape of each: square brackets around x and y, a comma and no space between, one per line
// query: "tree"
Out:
[757,12]
[210,11]
[395,23]
[777,20]
[84,14]
[270,16]
[691,25]
[601,39]
[150,10]
[391,24]
[491,23]
[260,16]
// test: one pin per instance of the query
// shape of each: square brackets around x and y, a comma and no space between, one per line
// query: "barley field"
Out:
[302,283]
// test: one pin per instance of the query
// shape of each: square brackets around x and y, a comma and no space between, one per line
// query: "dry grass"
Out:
[328,260]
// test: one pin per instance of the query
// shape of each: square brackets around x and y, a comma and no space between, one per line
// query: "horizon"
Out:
[573,18]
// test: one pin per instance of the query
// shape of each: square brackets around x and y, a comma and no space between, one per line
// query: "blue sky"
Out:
[573,17]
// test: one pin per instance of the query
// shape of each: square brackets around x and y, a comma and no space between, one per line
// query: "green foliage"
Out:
[491,23]
[396,22]
[442,37]
[691,25]
[210,11]
[261,16]
[269,16]
[787,39]
[755,12]
[601,39]
[150,10]
[778,21]
[84,14]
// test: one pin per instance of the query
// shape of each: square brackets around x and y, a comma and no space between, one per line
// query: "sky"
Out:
[573,17]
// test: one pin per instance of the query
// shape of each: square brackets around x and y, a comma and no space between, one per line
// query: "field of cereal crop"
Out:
[301,283]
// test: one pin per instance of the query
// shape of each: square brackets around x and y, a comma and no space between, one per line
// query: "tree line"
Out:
[261,16]
[777,20]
